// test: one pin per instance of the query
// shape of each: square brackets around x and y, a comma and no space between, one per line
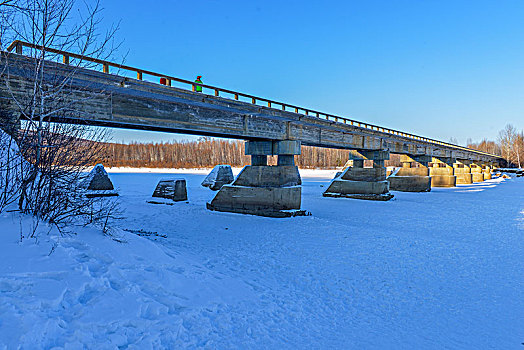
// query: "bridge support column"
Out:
[486,172]
[476,173]
[441,172]
[362,183]
[462,172]
[264,190]
[413,176]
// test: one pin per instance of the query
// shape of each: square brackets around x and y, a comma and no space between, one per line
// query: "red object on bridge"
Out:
[163,81]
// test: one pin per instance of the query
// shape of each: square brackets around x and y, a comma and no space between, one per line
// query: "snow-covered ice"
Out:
[438,270]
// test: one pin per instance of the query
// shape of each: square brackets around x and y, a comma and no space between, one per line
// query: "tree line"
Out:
[509,145]
[206,152]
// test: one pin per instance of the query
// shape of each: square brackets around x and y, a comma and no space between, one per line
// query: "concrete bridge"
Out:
[110,97]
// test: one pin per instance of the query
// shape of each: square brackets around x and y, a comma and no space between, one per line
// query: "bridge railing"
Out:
[167,80]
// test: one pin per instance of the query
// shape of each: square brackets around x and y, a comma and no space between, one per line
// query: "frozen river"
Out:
[438,270]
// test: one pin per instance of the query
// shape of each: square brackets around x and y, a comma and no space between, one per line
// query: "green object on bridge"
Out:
[198,88]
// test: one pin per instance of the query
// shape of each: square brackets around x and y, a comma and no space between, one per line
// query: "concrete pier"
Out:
[362,183]
[264,190]
[476,172]
[486,172]
[462,172]
[413,176]
[441,172]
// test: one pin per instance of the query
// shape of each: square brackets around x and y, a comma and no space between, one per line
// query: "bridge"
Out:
[101,93]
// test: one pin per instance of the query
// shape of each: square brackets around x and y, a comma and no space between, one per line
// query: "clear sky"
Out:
[440,69]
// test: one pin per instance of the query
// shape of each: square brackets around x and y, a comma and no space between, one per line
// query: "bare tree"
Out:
[518,148]
[485,146]
[505,139]
[58,153]
[512,145]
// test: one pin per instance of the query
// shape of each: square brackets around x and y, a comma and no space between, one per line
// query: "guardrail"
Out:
[167,80]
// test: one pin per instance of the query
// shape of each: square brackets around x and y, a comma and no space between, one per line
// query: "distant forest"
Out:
[509,145]
[206,153]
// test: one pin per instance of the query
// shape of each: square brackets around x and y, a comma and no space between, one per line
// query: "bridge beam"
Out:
[441,172]
[359,182]
[264,190]
[413,176]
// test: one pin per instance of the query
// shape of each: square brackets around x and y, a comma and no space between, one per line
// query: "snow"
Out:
[320,173]
[424,270]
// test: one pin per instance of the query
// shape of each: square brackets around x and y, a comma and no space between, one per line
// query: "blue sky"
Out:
[440,69]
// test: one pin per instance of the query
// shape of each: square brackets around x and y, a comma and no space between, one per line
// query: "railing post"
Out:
[216,92]
[236,96]
[65,59]
[139,75]
[19,48]
[296,110]
[105,68]
[168,82]
[193,86]
[269,104]
[253,100]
